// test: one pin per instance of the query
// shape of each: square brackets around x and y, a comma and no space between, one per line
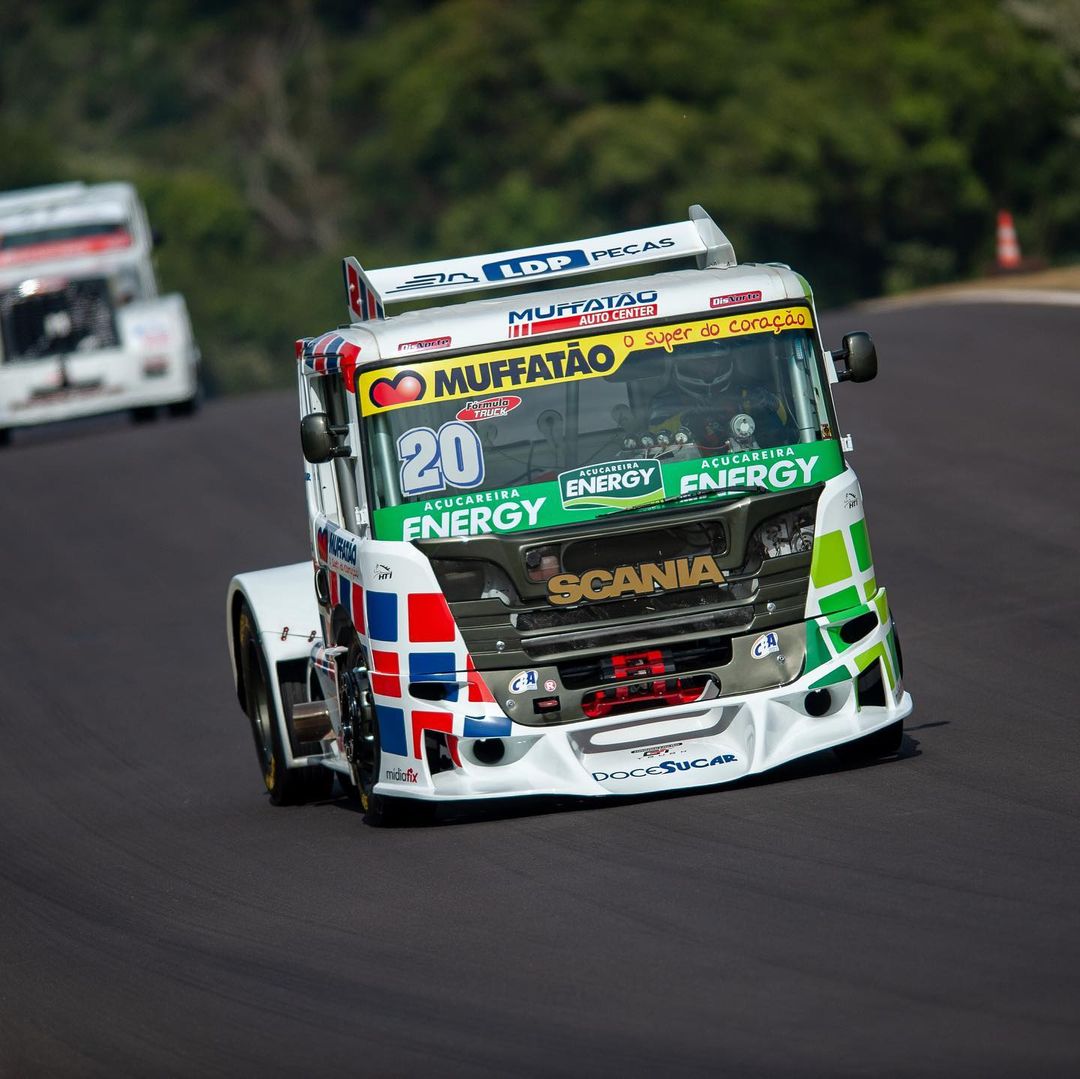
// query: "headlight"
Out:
[786,533]
[464,579]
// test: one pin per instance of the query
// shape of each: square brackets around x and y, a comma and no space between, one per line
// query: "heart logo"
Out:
[404,387]
[322,542]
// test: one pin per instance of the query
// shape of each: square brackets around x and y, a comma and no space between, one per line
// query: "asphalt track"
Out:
[914,917]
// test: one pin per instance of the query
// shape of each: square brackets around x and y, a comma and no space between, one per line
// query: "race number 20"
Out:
[432,459]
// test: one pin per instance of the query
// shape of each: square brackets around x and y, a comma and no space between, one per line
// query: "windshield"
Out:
[565,431]
[51,317]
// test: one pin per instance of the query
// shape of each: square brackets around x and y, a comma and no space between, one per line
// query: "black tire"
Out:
[144,414]
[286,786]
[870,747]
[5,436]
[355,702]
[180,409]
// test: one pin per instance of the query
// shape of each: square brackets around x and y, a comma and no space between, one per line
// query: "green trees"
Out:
[868,144]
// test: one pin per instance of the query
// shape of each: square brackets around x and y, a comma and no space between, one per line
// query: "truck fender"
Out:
[283,605]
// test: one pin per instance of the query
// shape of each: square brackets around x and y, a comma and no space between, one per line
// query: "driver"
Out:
[716,397]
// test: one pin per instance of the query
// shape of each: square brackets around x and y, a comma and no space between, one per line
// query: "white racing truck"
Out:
[592,541]
[82,327]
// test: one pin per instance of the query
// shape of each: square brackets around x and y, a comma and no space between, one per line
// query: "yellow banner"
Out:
[545,362]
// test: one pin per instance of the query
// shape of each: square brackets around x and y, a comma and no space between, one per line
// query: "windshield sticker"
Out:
[493,408]
[501,370]
[432,459]
[541,505]
[640,580]
[574,314]
[615,484]
[774,469]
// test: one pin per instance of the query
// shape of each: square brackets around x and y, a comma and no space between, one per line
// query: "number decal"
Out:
[430,460]
[418,450]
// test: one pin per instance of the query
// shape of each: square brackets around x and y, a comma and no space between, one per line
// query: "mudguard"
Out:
[282,602]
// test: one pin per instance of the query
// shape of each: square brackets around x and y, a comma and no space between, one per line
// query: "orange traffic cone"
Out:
[1008,247]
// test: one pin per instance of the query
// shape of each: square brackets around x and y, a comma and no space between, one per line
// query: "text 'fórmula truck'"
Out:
[596,540]
[82,327]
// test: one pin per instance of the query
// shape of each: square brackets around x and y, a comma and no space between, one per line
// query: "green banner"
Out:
[590,492]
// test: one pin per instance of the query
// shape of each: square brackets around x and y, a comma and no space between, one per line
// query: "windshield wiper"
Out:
[690,496]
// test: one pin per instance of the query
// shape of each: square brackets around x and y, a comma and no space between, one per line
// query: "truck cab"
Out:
[600,539]
[82,327]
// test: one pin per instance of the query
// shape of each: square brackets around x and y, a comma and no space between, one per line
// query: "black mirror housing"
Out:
[859,356]
[320,440]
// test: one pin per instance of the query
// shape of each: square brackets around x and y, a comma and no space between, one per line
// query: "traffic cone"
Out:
[1008,247]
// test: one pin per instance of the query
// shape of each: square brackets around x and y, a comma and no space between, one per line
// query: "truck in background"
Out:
[82,327]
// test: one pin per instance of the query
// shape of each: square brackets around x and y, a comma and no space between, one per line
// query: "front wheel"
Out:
[286,786]
[360,736]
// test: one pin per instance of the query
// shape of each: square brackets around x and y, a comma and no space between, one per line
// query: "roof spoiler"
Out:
[368,291]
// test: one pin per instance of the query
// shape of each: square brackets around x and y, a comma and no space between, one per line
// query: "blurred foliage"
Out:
[869,144]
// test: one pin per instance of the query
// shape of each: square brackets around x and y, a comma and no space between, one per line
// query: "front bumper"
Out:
[681,747]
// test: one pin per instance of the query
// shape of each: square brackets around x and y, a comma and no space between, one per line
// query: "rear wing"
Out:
[369,291]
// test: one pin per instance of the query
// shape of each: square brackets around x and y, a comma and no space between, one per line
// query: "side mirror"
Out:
[859,357]
[320,440]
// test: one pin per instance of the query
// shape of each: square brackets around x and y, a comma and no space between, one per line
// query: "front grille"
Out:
[553,618]
[724,620]
[674,659]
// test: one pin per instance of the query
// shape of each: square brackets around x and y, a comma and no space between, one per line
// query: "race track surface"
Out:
[915,917]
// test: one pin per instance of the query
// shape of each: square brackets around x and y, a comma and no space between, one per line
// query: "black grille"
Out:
[676,658]
[549,618]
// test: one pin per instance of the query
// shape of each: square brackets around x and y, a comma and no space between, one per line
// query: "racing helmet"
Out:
[704,371]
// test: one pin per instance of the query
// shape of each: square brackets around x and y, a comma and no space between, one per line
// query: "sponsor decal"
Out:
[659,751]
[402,775]
[404,388]
[508,370]
[540,505]
[471,518]
[611,484]
[336,549]
[535,265]
[492,408]
[666,768]
[735,297]
[72,248]
[523,682]
[383,572]
[417,346]
[595,584]
[574,314]
[766,643]
[419,282]
[850,500]
[550,685]
[776,469]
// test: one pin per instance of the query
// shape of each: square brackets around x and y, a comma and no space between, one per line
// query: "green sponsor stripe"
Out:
[840,601]
[817,651]
[455,513]
[841,674]
[861,542]
[830,563]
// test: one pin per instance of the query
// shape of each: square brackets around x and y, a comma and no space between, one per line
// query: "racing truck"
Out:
[82,327]
[575,539]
